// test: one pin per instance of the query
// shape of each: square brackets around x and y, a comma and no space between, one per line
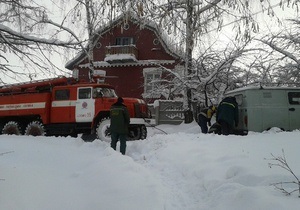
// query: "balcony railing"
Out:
[121,54]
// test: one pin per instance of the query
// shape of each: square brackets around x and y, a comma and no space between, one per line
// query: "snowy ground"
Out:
[181,170]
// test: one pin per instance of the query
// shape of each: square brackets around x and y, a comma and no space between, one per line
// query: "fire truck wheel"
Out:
[137,132]
[11,127]
[35,128]
[143,132]
[102,130]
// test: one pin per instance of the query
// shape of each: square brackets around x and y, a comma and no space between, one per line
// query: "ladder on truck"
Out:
[43,85]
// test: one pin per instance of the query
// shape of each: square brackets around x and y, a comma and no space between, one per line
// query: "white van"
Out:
[261,108]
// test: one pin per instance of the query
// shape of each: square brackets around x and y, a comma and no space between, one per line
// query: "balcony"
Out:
[121,54]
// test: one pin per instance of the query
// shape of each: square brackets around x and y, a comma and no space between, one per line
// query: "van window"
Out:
[239,99]
[294,97]
[62,94]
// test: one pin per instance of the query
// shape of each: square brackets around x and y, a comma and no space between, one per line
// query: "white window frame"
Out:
[155,73]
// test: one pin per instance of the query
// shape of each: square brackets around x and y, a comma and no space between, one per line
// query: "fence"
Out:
[169,112]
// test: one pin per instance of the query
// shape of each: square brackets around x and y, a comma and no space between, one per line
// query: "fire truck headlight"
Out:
[141,101]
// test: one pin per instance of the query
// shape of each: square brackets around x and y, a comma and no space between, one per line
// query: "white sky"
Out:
[224,36]
[267,24]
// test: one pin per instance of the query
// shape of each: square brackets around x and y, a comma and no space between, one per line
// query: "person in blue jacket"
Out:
[228,115]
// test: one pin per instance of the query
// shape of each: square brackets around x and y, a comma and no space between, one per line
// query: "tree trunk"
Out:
[188,60]
[91,33]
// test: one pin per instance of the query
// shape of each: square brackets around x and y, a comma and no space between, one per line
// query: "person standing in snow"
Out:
[119,122]
[204,118]
[228,115]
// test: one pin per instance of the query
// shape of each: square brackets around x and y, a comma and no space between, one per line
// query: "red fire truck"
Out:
[64,106]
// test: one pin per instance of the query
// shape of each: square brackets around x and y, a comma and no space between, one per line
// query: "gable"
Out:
[123,27]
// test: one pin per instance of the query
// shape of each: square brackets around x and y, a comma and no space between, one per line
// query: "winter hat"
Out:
[120,100]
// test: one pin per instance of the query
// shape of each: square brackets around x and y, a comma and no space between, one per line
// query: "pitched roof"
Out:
[165,40]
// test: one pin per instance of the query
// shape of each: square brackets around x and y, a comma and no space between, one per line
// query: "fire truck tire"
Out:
[35,128]
[102,130]
[143,132]
[137,132]
[12,127]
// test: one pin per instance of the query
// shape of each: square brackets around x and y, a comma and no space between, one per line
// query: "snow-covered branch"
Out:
[14,37]
[282,51]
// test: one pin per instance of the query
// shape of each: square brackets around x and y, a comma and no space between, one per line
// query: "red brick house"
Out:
[132,53]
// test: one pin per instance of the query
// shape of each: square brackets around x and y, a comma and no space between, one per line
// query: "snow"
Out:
[183,169]
[113,57]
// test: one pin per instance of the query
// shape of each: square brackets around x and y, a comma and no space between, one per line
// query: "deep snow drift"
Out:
[181,170]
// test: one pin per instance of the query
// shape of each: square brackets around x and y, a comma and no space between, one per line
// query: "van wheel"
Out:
[12,128]
[35,128]
[102,130]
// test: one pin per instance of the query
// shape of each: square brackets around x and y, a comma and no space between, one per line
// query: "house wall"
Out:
[144,42]
[130,80]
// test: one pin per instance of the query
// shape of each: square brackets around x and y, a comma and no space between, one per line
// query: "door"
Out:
[294,109]
[274,109]
[62,107]
[85,105]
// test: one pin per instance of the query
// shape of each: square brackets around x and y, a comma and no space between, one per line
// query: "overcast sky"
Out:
[267,23]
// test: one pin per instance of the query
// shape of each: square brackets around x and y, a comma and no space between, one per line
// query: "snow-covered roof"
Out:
[260,88]
[113,57]
[165,40]
[99,64]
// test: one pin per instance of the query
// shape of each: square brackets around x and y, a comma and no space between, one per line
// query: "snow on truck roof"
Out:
[260,88]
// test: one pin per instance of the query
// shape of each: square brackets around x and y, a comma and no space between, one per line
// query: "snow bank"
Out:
[183,169]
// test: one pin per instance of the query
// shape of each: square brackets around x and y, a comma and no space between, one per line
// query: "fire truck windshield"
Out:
[104,92]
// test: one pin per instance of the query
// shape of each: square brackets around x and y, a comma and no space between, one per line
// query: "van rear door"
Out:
[274,109]
[294,109]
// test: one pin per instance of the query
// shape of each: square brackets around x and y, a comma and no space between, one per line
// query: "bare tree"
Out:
[29,32]
[285,47]
[280,161]
[211,75]
[189,20]
[92,15]
[25,36]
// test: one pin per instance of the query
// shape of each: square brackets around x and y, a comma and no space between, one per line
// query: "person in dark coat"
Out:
[215,128]
[204,118]
[119,122]
[228,115]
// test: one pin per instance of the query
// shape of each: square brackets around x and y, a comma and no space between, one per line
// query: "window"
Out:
[155,41]
[124,41]
[239,99]
[62,95]
[104,92]
[294,97]
[84,93]
[151,79]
